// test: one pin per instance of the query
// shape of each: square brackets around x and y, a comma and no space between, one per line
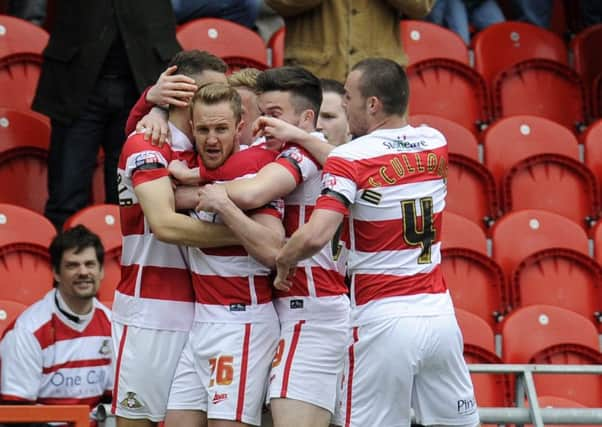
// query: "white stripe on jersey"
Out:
[225,266]
[397,263]
[64,351]
[154,252]
[151,313]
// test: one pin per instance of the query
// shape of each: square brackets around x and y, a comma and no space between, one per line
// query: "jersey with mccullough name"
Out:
[323,274]
[48,358]
[155,290]
[392,182]
[230,285]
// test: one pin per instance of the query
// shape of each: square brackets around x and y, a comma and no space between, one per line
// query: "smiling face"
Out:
[332,120]
[215,131]
[79,274]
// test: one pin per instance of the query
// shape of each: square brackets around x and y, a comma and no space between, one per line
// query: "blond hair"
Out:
[246,78]
[216,93]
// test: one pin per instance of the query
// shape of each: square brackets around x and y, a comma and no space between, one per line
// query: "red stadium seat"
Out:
[449,89]
[519,234]
[490,389]
[597,236]
[238,46]
[459,139]
[19,74]
[502,45]
[460,232]
[27,166]
[560,277]
[512,139]
[475,331]
[476,284]
[582,388]
[20,36]
[100,219]
[18,224]
[471,190]
[276,48]
[586,54]
[540,87]
[423,40]
[9,311]
[25,272]
[597,96]
[112,270]
[593,148]
[555,183]
[19,127]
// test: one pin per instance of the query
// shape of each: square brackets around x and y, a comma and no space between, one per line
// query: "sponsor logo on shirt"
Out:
[238,307]
[296,303]
[328,181]
[466,406]
[146,158]
[130,401]
[219,397]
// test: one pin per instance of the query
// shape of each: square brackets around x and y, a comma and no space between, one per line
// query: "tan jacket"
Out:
[328,37]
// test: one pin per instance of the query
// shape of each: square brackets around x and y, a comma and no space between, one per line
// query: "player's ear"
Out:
[240,126]
[309,116]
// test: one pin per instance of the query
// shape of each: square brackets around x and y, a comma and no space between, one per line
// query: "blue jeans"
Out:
[537,12]
[454,15]
[243,12]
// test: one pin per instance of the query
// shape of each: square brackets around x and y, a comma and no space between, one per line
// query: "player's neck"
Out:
[387,122]
[180,118]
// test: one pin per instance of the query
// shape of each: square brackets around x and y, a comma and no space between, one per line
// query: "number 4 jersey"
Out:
[392,182]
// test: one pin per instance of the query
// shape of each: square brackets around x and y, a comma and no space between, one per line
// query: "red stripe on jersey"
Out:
[132,220]
[136,144]
[370,287]
[327,283]
[12,398]
[291,218]
[392,169]
[118,369]
[239,164]
[143,176]
[226,251]
[76,364]
[289,358]
[225,290]
[356,338]
[92,402]
[243,373]
[294,171]
[56,330]
[330,203]
[388,235]
[127,284]
[165,283]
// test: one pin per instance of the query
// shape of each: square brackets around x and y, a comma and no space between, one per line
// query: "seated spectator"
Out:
[459,15]
[332,120]
[536,12]
[243,12]
[59,350]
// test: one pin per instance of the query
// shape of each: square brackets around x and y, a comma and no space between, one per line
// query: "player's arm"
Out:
[21,367]
[262,234]
[156,198]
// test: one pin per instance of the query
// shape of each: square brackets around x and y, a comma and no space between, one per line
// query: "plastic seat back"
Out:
[540,87]
[459,139]
[112,270]
[20,36]
[515,138]
[502,45]
[423,40]
[475,331]
[490,389]
[18,128]
[593,149]
[18,224]
[276,48]
[103,220]
[449,89]
[460,232]
[555,183]
[19,75]
[519,234]
[9,311]
[25,272]
[238,46]
[586,54]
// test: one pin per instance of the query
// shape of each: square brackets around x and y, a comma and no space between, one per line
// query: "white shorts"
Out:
[144,369]
[408,362]
[224,370]
[309,361]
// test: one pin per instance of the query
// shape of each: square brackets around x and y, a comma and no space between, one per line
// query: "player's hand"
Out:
[270,127]
[155,127]
[178,169]
[172,89]
[212,198]
[284,274]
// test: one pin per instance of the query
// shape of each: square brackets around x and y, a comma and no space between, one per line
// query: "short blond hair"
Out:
[247,78]
[216,93]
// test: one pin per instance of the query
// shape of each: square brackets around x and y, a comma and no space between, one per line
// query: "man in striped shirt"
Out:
[406,350]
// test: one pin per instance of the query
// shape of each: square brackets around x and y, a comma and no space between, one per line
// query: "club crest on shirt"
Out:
[130,401]
[105,348]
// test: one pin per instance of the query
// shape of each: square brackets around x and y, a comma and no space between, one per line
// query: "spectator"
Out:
[99,58]
[407,347]
[33,11]
[243,12]
[536,12]
[591,12]
[59,350]
[329,37]
[458,15]
[332,120]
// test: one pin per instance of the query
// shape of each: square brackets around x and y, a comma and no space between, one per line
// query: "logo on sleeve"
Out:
[147,158]
[130,401]
[105,348]
[329,181]
[293,153]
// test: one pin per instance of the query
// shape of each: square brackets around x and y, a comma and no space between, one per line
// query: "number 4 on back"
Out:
[411,234]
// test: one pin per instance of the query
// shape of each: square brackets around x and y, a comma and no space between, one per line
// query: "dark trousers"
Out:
[74,148]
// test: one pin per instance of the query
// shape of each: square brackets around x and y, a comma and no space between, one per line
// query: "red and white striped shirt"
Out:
[47,358]
[395,182]
[155,290]
[230,285]
[321,277]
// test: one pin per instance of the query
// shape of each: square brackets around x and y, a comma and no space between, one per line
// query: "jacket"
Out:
[80,40]
[328,37]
